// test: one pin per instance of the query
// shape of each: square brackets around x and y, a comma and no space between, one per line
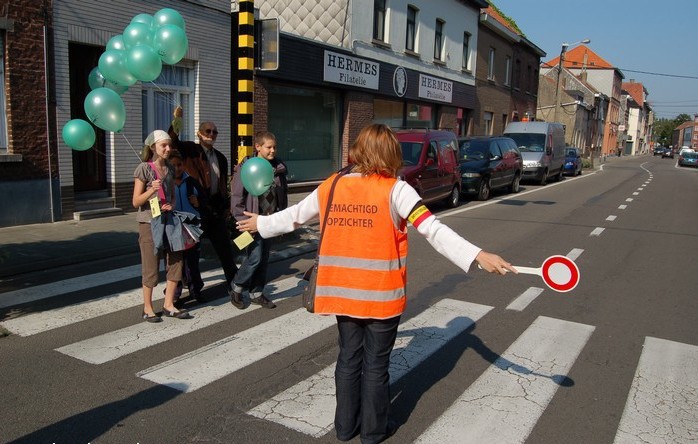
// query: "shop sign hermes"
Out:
[352,71]
[435,89]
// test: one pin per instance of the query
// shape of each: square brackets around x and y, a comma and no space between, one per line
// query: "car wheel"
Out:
[483,193]
[544,179]
[453,199]
[558,176]
[516,184]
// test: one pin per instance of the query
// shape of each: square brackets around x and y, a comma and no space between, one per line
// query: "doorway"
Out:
[89,167]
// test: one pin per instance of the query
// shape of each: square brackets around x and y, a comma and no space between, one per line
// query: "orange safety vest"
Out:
[362,269]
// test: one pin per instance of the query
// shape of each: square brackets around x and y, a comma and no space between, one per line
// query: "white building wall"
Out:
[349,24]
[634,126]
[95,22]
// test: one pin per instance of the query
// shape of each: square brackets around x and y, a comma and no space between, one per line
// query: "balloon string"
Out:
[151,176]
[168,95]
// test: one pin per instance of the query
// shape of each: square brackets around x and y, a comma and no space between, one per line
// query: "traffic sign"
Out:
[559,273]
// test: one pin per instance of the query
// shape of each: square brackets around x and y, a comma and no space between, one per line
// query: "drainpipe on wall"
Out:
[48,128]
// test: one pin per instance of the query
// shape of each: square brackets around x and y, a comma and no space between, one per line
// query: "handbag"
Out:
[311,274]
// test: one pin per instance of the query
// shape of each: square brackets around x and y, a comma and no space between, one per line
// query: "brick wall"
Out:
[492,94]
[358,112]
[25,93]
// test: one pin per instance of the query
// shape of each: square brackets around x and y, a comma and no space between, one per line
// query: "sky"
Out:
[652,36]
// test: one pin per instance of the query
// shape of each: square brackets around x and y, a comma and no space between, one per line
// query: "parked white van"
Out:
[542,146]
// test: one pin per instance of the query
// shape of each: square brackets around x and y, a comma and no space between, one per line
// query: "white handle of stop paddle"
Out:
[524,270]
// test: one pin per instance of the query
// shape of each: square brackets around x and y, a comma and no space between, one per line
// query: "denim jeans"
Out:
[362,379]
[252,274]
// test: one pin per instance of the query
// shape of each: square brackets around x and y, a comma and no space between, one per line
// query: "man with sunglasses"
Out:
[210,167]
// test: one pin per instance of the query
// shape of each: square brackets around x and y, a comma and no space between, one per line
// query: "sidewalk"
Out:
[31,248]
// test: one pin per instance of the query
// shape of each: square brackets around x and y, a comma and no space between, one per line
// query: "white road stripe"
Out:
[39,322]
[622,207]
[194,370]
[596,232]
[611,218]
[575,253]
[114,344]
[49,290]
[662,401]
[636,193]
[629,199]
[308,406]
[505,402]
[640,189]
[524,299]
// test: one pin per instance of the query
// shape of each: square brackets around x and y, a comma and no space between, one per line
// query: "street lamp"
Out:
[560,63]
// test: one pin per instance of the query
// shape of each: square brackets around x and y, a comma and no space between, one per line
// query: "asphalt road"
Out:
[468,366]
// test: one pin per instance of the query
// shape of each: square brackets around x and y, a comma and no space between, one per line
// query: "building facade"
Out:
[345,64]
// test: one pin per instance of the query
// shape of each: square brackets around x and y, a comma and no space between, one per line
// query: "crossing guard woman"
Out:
[362,272]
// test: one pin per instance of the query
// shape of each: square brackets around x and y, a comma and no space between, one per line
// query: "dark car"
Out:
[430,164]
[668,152]
[489,163]
[573,161]
[689,159]
[658,151]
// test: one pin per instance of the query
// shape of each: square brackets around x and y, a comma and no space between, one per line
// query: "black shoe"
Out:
[236,299]
[263,301]
[179,314]
[151,318]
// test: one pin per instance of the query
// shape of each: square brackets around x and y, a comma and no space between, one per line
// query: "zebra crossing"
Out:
[502,405]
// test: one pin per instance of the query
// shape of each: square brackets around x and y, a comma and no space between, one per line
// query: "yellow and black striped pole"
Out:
[245,95]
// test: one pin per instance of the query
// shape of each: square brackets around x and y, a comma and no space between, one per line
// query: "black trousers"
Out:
[216,230]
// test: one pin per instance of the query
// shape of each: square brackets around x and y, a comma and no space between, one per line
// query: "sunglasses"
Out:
[211,131]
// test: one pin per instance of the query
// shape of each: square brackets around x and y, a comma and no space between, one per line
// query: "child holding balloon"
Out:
[252,275]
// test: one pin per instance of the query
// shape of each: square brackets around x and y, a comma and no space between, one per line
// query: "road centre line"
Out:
[611,218]
[662,396]
[198,368]
[636,193]
[115,344]
[506,401]
[308,406]
[596,232]
[524,299]
[629,199]
[575,253]
[622,207]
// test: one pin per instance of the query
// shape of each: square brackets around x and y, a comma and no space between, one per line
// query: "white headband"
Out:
[155,137]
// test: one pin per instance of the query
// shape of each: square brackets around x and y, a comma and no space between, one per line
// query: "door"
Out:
[431,176]
[89,167]
[497,165]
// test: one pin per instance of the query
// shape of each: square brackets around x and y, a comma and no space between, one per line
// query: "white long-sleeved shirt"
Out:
[403,199]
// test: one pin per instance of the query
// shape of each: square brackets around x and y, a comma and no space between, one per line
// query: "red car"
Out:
[430,164]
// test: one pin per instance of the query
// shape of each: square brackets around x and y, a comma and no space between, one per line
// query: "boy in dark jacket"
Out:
[252,275]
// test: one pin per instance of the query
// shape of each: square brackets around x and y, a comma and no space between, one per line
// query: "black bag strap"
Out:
[341,173]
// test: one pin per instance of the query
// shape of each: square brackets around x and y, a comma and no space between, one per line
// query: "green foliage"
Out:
[586,163]
[681,118]
[508,19]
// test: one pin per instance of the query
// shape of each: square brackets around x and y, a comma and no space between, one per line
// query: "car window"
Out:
[431,152]
[473,150]
[572,153]
[411,152]
[505,148]
[494,149]
[528,141]
[447,148]
[690,155]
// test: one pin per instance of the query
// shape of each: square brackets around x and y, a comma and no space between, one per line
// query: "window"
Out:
[466,51]
[438,39]
[529,79]
[175,86]
[411,29]
[487,117]
[379,20]
[505,120]
[490,67]
[517,74]
[507,72]
[3,104]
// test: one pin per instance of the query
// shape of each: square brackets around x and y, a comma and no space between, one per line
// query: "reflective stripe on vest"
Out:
[361,270]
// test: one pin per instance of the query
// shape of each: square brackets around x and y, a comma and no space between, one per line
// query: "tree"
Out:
[681,118]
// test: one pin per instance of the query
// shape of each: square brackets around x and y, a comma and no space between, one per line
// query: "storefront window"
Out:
[306,122]
[420,116]
[388,112]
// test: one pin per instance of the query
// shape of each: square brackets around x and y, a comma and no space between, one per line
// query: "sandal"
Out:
[151,318]
[179,314]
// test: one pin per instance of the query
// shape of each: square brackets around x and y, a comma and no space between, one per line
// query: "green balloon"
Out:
[79,135]
[117,43]
[143,18]
[171,43]
[97,80]
[168,16]
[137,33]
[257,175]
[105,109]
[112,65]
[144,63]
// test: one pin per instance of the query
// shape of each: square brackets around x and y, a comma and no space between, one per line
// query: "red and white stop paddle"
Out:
[559,273]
